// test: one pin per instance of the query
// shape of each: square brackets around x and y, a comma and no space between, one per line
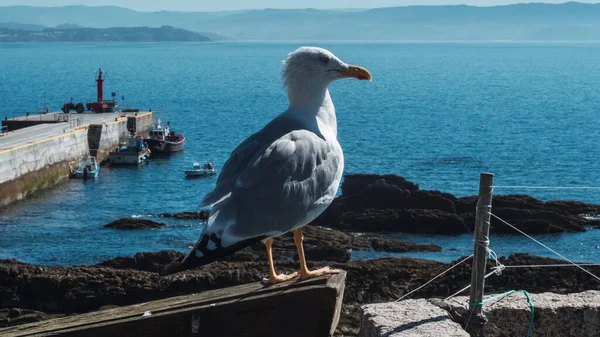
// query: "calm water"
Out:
[438,114]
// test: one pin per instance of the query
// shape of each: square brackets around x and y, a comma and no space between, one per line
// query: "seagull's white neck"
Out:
[312,101]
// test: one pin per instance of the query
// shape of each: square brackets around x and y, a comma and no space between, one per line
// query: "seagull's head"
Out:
[318,67]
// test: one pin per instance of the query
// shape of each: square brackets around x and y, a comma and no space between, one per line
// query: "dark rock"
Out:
[131,223]
[250,254]
[356,183]
[432,200]
[320,244]
[84,289]
[378,195]
[468,204]
[532,221]
[395,246]
[316,253]
[572,207]
[373,203]
[143,261]
[202,215]
[403,220]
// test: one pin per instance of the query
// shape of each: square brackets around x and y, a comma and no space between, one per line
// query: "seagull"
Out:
[282,177]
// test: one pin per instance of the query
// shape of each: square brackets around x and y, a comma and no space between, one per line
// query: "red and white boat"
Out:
[163,140]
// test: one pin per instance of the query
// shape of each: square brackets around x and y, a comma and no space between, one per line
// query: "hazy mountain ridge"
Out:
[534,21]
[23,26]
[115,34]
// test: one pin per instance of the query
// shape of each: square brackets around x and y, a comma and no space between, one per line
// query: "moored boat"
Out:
[198,170]
[134,152]
[88,168]
[162,139]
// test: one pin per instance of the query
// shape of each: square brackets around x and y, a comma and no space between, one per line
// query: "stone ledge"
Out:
[576,314]
[409,318]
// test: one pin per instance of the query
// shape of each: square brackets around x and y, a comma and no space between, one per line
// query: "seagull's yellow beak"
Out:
[357,72]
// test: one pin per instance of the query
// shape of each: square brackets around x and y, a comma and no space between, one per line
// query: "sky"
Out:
[212,5]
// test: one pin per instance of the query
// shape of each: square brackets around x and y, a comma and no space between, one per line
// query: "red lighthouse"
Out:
[100,83]
[101,105]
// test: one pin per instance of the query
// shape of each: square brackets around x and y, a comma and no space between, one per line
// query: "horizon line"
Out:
[311,8]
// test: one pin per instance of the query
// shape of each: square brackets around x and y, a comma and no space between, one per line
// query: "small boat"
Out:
[163,140]
[134,152]
[88,168]
[200,171]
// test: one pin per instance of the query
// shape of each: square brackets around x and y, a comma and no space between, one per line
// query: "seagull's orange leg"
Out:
[273,277]
[304,272]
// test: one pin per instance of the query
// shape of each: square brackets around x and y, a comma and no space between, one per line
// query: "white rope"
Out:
[495,270]
[499,266]
[442,273]
[469,286]
[551,265]
[552,187]
[543,245]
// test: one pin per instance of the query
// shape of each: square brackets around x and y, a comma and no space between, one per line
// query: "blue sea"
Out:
[435,113]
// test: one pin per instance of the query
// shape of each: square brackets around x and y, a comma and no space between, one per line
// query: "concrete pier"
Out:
[39,156]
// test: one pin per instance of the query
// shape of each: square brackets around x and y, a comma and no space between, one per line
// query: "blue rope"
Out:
[529,300]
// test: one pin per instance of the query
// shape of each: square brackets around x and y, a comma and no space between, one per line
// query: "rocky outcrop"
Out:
[151,262]
[132,223]
[320,244]
[395,246]
[89,288]
[388,203]
[201,215]
[355,183]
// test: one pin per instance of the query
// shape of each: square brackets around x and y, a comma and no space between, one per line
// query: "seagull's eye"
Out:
[324,59]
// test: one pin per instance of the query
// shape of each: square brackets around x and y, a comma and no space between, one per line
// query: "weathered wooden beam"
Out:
[481,242]
[294,309]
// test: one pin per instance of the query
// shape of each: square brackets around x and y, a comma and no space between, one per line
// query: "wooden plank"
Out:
[296,309]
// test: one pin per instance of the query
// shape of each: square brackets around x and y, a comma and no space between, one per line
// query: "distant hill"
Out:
[569,21]
[67,26]
[24,26]
[118,34]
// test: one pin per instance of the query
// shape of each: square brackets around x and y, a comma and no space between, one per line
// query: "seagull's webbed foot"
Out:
[273,277]
[304,272]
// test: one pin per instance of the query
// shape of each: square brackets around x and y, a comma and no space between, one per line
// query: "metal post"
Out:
[477,319]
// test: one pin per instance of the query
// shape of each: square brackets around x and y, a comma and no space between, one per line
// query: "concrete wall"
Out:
[144,121]
[39,164]
[36,165]
[112,134]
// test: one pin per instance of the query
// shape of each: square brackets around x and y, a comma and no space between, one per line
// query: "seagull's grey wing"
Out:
[239,158]
[281,188]
[251,147]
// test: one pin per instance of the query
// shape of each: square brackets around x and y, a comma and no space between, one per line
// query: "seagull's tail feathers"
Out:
[209,248]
